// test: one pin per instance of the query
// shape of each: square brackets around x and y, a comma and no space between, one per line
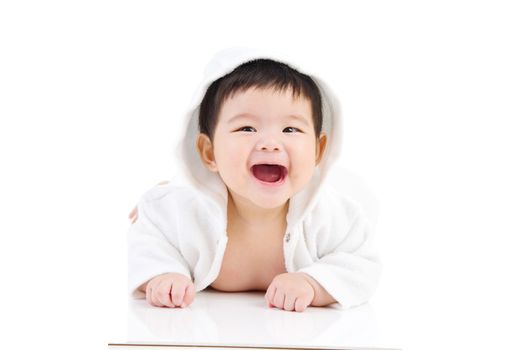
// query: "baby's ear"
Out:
[204,147]
[320,148]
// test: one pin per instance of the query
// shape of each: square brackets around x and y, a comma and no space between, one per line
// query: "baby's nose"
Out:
[269,145]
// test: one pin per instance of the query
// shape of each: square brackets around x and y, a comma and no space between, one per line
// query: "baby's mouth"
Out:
[269,172]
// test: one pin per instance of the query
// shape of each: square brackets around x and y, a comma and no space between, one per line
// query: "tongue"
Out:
[267,173]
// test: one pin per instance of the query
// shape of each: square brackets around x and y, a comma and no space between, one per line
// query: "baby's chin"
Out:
[270,199]
[263,201]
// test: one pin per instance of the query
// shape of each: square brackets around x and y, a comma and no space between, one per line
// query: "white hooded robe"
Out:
[181,227]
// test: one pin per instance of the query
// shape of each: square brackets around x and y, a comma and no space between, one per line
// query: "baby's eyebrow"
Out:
[299,118]
[242,115]
[251,116]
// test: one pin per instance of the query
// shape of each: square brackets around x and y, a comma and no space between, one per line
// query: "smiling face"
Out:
[265,148]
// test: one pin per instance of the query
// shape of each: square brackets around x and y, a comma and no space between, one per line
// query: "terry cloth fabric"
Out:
[181,227]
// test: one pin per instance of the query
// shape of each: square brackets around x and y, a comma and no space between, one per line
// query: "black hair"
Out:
[258,73]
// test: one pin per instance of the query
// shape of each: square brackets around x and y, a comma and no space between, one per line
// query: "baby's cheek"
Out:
[303,171]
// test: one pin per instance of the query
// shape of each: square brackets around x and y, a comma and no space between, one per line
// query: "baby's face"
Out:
[263,126]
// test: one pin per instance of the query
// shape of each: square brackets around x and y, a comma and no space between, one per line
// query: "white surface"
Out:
[436,99]
[244,319]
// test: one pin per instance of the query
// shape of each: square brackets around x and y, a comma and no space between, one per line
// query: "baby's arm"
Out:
[157,269]
[348,267]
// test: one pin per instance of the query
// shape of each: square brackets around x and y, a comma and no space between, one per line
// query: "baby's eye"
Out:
[291,129]
[245,128]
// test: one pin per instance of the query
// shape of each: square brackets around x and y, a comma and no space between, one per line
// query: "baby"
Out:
[251,208]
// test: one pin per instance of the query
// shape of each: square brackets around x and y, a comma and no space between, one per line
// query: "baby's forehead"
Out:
[266,104]
[276,91]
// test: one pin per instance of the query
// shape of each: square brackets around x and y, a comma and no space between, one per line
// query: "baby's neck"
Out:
[249,214]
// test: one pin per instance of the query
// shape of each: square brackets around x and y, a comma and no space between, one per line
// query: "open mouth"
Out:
[269,173]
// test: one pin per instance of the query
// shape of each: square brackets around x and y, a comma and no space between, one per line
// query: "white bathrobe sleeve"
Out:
[348,268]
[150,252]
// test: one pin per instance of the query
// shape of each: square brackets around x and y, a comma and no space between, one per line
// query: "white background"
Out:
[435,100]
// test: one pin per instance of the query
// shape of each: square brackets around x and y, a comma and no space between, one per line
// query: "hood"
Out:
[192,172]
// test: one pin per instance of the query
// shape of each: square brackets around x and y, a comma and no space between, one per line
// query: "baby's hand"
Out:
[290,291]
[170,290]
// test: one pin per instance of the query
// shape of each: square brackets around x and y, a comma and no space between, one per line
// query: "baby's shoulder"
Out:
[169,194]
[167,203]
[333,203]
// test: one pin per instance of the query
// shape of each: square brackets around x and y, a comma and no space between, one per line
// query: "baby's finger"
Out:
[300,304]
[278,299]
[152,300]
[177,293]
[164,294]
[148,293]
[270,294]
[189,295]
[160,293]
[289,302]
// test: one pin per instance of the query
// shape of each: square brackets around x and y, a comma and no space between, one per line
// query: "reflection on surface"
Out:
[244,318]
